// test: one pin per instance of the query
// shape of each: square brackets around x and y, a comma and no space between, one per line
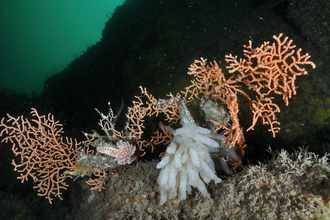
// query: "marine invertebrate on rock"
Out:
[187,162]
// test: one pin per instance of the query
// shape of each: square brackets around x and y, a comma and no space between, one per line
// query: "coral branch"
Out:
[270,68]
[99,182]
[43,152]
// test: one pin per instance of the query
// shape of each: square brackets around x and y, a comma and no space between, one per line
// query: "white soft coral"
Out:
[187,162]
